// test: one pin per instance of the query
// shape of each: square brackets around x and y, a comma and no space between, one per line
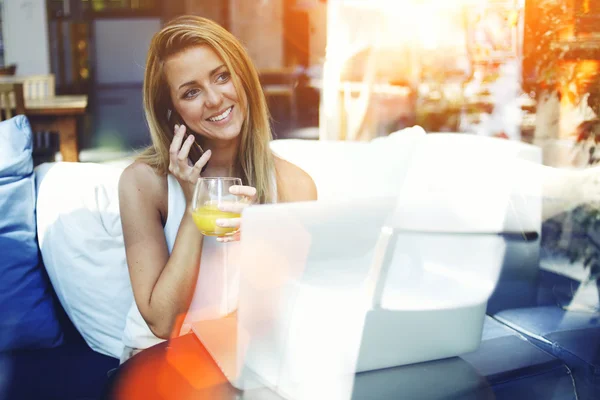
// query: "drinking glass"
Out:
[209,195]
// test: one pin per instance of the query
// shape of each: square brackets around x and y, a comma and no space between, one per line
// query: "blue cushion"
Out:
[27,315]
[67,372]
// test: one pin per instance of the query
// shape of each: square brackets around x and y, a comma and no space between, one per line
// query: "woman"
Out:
[207,116]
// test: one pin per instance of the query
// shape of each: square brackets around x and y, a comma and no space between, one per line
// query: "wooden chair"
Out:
[12,101]
[39,86]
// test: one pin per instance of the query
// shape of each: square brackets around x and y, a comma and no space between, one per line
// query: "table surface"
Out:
[13,78]
[69,104]
[183,369]
[66,101]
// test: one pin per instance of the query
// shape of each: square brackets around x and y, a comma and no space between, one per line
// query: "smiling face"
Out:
[203,93]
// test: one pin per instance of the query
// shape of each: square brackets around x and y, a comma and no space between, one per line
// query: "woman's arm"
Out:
[162,285]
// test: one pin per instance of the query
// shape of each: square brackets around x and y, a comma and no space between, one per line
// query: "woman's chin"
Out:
[226,134]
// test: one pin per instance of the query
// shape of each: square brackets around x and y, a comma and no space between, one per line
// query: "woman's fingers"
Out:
[233,207]
[249,195]
[179,151]
[247,191]
[226,239]
[228,222]
[185,149]
[174,164]
[177,140]
[202,161]
[197,168]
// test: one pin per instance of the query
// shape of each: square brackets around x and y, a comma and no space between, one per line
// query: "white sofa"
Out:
[81,240]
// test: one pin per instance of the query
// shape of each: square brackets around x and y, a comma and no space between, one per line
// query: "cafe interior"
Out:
[453,249]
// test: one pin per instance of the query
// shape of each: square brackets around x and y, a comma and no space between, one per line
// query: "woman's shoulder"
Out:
[293,183]
[140,180]
[140,174]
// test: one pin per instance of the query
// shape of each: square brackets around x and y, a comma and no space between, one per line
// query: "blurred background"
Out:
[337,69]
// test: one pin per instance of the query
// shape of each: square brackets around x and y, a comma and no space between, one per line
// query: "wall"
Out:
[121,46]
[259,26]
[210,9]
[25,33]
[318,32]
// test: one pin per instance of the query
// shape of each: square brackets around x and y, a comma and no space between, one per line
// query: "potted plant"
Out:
[560,64]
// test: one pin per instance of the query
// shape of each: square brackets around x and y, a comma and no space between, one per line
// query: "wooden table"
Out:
[58,114]
[53,113]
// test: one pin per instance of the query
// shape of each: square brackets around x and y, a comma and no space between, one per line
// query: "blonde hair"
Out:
[255,159]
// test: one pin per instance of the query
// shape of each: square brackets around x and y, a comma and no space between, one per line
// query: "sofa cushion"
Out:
[27,314]
[516,369]
[453,178]
[344,169]
[81,242]
[68,372]
[571,336]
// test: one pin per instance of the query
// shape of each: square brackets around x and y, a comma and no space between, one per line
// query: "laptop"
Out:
[326,292]
[329,289]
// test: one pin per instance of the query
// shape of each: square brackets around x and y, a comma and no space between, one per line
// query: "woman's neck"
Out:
[223,160]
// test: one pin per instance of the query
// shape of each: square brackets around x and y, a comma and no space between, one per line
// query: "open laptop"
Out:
[326,292]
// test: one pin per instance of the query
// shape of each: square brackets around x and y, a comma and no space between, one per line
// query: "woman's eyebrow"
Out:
[189,83]
[193,82]
[214,71]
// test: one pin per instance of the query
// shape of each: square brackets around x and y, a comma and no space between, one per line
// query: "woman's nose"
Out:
[213,98]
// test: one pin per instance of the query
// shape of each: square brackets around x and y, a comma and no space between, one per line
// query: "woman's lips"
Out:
[222,116]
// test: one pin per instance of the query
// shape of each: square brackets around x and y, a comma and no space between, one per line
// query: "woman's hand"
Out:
[180,165]
[248,193]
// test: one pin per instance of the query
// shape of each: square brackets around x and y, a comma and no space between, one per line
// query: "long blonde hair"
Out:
[255,159]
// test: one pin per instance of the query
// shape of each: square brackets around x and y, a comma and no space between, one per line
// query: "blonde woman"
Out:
[207,116]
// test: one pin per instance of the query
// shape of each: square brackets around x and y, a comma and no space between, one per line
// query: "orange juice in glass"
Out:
[209,195]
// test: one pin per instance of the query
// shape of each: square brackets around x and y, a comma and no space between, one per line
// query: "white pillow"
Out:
[464,182]
[81,240]
[344,169]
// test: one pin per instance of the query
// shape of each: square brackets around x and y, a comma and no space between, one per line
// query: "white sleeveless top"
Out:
[217,286]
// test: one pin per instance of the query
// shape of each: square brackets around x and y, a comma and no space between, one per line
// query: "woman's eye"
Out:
[224,77]
[190,93]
